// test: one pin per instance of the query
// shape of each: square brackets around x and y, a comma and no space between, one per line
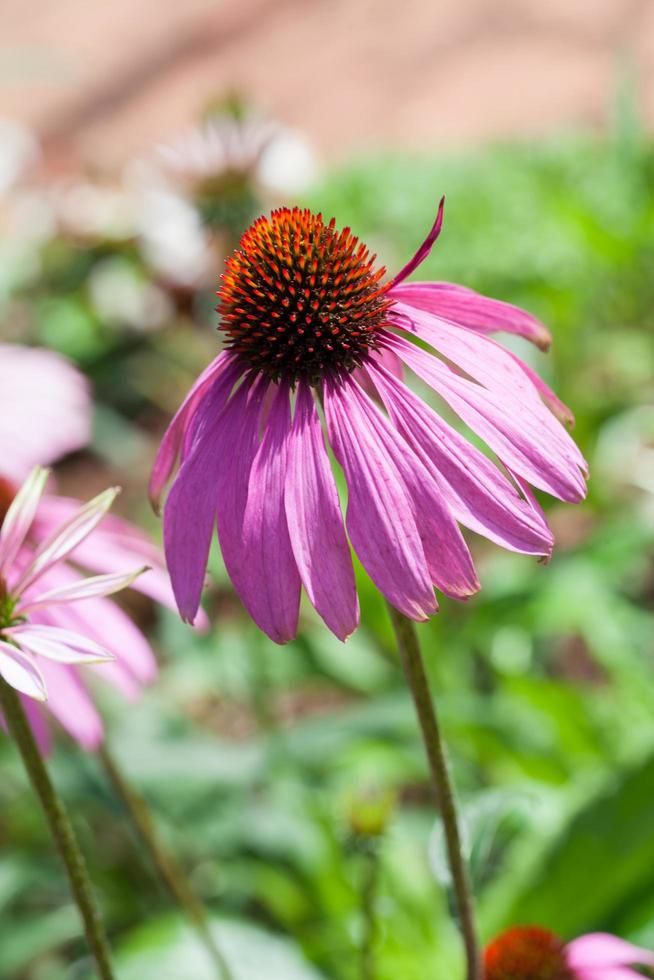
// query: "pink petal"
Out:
[607,973]
[72,706]
[472,310]
[272,592]
[475,491]
[315,522]
[171,443]
[44,409]
[380,514]
[20,516]
[67,536]
[88,588]
[555,405]
[62,645]
[238,449]
[519,439]
[448,558]
[424,249]
[21,673]
[601,949]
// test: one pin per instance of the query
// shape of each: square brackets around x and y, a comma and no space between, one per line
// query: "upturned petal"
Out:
[20,672]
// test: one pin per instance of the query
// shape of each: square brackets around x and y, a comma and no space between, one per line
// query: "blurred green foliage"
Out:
[261,763]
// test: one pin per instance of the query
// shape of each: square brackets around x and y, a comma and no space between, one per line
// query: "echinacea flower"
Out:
[533,953]
[315,344]
[45,412]
[34,593]
[45,409]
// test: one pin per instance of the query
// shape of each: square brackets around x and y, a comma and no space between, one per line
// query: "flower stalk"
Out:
[167,866]
[60,828]
[409,648]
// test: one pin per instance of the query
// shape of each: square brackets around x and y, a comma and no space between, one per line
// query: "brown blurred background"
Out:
[100,81]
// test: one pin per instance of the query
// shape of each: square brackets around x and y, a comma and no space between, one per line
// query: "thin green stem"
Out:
[368,907]
[60,828]
[407,641]
[165,863]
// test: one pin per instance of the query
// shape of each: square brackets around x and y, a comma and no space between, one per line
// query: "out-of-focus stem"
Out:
[164,861]
[368,908]
[407,641]
[60,827]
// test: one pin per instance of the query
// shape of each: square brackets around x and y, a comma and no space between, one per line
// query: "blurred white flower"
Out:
[124,297]
[19,150]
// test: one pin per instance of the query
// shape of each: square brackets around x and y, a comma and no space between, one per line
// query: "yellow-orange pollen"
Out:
[526,953]
[300,300]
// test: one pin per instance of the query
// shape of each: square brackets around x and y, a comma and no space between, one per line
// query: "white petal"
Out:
[20,515]
[66,538]
[21,672]
[64,646]
[98,585]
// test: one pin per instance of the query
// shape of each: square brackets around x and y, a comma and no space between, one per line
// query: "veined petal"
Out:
[315,522]
[380,512]
[67,537]
[238,449]
[424,249]
[521,441]
[20,515]
[472,310]
[72,706]
[448,558]
[21,673]
[272,591]
[475,491]
[87,588]
[171,443]
[64,646]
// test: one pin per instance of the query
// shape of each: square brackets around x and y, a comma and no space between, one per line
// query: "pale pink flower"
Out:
[534,953]
[44,409]
[37,627]
[315,342]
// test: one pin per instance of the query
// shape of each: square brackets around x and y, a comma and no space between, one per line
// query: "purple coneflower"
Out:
[46,400]
[315,346]
[37,625]
[533,953]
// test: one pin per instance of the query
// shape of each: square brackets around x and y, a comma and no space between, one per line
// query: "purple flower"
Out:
[533,953]
[316,345]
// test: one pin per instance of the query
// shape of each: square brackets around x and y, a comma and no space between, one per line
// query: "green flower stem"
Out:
[165,863]
[369,888]
[414,669]
[60,828]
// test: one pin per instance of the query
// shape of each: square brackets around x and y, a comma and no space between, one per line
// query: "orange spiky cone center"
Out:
[300,300]
[526,953]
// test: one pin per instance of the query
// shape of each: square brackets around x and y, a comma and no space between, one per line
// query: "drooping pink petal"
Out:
[64,646]
[519,439]
[474,490]
[448,558]
[554,403]
[380,512]
[472,310]
[21,672]
[115,544]
[315,522]
[272,591]
[600,949]
[44,409]
[88,588]
[20,516]
[171,443]
[66,537]
[72,706]
[424,249]
[238,449]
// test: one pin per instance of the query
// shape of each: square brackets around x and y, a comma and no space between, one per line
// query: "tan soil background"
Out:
[102,80]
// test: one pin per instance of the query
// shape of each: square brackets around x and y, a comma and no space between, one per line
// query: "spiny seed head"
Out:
[526,953]
[300,300]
